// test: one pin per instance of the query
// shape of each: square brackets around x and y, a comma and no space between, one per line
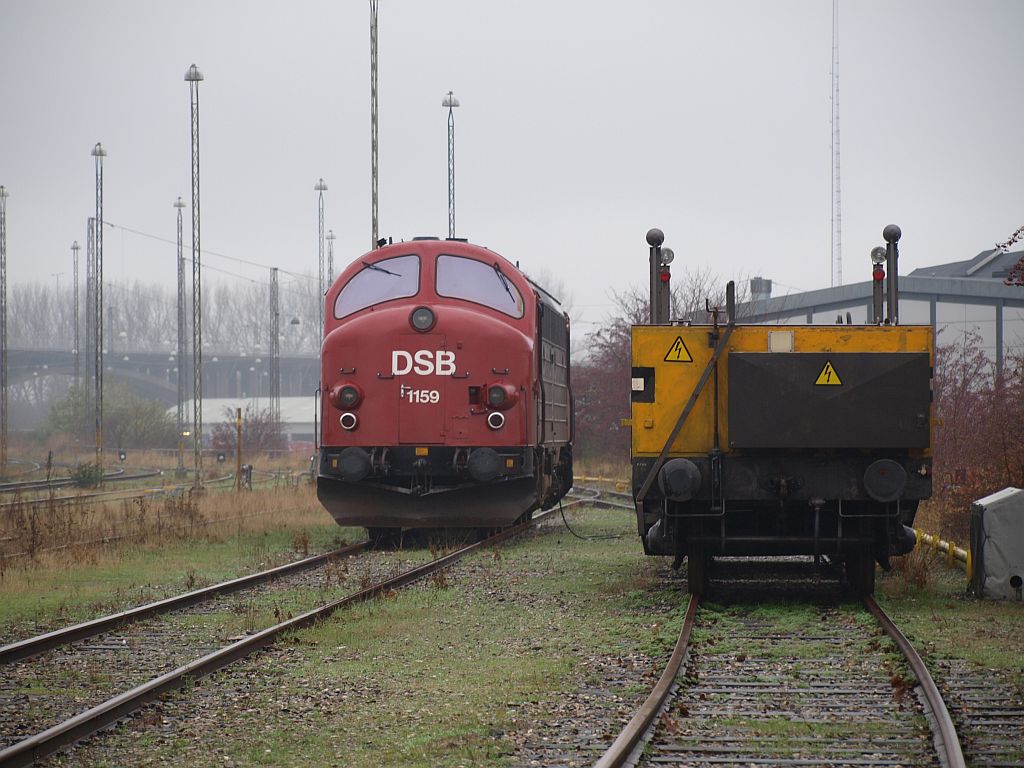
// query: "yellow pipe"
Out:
[952,551]
[620,485]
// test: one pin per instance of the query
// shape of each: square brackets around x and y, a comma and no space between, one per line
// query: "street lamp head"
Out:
[891,233]
[75,246]
[98,150]
[450,101]
[877,255]
[193,75]
[667,256]
[321,186]
[330,234]
[178,203]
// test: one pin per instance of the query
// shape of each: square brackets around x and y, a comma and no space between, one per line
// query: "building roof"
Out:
[295,411]
[987,265]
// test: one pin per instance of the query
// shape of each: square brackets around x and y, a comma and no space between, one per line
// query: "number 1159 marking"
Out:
[419,395]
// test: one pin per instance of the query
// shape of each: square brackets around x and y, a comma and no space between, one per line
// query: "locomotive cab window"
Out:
[379,282]
[479,282]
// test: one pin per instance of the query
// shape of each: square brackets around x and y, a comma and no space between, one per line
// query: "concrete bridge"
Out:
[154,375]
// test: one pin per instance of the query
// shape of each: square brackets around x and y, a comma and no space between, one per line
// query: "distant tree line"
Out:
[144,316]
[132,422]
[979,437]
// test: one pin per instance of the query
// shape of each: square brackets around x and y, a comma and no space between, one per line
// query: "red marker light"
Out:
[878,274]
[665,275]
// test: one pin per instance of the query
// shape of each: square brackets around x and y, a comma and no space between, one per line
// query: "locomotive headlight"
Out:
[349,396]
[501,396]
[496,396]
[345,396]
[422,319]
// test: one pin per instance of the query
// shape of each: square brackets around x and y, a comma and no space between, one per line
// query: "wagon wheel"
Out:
[860,572]
[697,570]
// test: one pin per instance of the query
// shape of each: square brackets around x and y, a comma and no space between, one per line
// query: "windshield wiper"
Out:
[374,267]
[504,283]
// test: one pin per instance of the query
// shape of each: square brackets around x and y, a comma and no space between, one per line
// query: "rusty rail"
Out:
[34,645]
[948,742]
[622,748]
[625,747]
[35,747]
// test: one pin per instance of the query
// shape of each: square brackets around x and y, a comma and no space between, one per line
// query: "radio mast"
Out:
[373,122]
[837,212]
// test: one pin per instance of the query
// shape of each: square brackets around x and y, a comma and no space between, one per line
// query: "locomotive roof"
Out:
[545,296]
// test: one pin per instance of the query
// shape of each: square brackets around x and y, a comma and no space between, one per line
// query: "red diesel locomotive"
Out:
[446,398]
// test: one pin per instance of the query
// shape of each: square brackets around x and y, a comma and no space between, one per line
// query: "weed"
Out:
[914,569]
[248,611]
[88,475]
[439,579]
[334,570]
[300,543]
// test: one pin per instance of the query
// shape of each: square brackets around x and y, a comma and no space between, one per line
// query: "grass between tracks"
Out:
[449,672]
[438,676]
[944,621]
[241,533]
[445,673]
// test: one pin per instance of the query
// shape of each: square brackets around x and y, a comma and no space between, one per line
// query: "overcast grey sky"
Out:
[582,125]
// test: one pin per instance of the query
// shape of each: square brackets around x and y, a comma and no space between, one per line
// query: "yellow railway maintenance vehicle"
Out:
[780,439]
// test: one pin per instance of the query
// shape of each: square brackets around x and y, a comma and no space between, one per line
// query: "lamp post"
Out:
[891,234]
[451,102]
[180,472]
[320,187]
[74,260]
[373,124]
[3,331]
[330,258]
[193,77]
[877,276]
[99,153]
[275,348]
[660,277]
[296,334]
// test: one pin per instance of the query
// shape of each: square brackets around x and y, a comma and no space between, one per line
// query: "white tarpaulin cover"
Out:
[997,544]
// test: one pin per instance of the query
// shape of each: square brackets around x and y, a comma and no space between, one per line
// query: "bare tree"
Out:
[601,381]
[260,432]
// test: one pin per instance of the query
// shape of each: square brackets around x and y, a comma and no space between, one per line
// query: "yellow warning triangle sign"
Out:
[678,353]
[828,376]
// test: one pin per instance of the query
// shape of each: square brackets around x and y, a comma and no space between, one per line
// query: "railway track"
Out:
[791,689]
[118,475]
[77,714]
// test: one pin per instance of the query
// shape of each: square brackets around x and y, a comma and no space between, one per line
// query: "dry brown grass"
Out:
[915,570]
[616,471]
[950,521]
[61,532]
